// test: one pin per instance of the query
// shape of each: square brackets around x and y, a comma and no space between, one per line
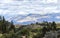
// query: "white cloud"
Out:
[58,17]
[35,6]
[45,17]
[1,11]
[24,7]
[28,18]
[5,1]
[22,13]
[51,1]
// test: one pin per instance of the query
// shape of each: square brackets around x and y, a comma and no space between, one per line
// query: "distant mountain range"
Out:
[32,18]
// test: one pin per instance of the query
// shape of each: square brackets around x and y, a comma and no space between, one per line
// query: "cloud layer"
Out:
[14,8]
[29,6]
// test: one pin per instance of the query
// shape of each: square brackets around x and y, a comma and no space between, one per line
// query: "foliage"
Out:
[53,26]
[8,30]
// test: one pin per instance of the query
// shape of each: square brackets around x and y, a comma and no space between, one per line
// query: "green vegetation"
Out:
[37,30]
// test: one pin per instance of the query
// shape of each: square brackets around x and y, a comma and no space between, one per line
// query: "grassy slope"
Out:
[58,25]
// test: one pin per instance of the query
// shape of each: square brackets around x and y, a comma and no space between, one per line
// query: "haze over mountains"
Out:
[32,18]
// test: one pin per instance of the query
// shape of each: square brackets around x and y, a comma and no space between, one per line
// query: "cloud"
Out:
[28,18]
[32,18]
[5,1]
[1,11]
[10,8]
[57,17]
[45,17]
[51,1]
[29,6]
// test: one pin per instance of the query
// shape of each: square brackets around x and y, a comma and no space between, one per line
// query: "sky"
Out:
[27,11]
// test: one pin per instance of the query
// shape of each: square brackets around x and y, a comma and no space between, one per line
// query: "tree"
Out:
[12,27]
[53,25]
[37,23]
[48,27]
[24,32]
[3,25]
[44,29]
[3,19]
[0,23]
[0,18]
